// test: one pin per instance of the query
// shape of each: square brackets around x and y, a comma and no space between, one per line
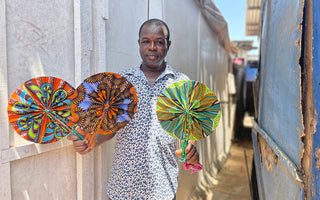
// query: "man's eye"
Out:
[146,42]
[160,43]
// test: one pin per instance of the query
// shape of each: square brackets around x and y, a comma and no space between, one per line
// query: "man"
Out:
[144,165]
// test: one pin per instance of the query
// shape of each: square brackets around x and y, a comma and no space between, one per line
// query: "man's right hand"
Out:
[81,146]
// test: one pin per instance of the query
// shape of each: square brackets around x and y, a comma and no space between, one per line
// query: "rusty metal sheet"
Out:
[257,159]
[292,168]
[278,184]
[274,178]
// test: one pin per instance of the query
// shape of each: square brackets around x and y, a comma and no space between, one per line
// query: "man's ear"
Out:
[139,42]
[168,45]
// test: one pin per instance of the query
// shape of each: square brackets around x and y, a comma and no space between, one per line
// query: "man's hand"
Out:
[81,146]
[192,153]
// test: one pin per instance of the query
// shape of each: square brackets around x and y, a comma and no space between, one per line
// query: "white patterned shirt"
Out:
[144,164]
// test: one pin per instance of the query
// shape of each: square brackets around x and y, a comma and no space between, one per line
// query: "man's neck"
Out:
[149,69]
[152,73]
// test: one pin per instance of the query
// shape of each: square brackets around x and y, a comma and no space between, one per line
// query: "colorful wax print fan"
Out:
[104,103]
[40,109]
[188,110]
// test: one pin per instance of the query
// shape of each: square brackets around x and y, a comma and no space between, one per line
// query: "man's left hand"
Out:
[192,153]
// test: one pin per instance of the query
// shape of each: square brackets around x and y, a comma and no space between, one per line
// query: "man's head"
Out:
[157,22]
[154,42]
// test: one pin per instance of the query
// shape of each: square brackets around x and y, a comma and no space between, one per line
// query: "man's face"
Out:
[153,45]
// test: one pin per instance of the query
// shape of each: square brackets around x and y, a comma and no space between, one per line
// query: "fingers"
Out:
[80,143]
[189,147]
[192,154]
[194,159]
[72,137]
[83,151]
[178,152]
[82,146]
[80,131]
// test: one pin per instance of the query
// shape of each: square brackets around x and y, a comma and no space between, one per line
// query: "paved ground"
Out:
[232,182]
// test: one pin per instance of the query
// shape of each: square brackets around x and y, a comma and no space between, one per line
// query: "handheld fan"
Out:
[39,110]
[103,104]
[188,110]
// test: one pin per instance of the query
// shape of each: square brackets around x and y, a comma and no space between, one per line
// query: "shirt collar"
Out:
[136,71]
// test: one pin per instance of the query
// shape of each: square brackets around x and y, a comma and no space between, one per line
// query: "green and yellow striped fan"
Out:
[188,110]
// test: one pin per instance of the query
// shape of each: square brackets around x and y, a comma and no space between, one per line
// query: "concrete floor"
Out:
[232,182]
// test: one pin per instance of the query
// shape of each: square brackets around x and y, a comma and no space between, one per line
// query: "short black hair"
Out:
[156,22]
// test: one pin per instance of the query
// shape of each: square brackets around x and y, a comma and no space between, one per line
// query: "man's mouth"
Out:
[152,56]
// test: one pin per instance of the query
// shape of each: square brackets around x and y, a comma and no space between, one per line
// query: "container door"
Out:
[278,147]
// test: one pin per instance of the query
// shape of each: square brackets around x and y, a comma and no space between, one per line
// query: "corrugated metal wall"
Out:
[74,39]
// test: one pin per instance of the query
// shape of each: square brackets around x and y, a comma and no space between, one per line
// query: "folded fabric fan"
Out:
[188,110]
[103,103]
[39,110]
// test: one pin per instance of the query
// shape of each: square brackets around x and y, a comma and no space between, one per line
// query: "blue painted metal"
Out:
[251,73]
[278,147]
[316,98]
[286,161]
[280,110]
[279,184]
[279,150]
[276,177]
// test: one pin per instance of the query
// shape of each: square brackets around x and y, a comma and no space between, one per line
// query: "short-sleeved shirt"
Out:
[144,164]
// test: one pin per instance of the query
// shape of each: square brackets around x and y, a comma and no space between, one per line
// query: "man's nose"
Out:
[152,45]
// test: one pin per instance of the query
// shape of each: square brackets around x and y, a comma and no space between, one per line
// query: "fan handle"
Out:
[184,146]
[76,133]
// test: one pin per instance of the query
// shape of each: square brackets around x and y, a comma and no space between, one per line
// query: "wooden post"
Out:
[84,164]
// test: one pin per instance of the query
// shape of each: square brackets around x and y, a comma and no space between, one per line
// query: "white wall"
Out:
[44,38]
[195,51]
[74,39]
[39,40]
